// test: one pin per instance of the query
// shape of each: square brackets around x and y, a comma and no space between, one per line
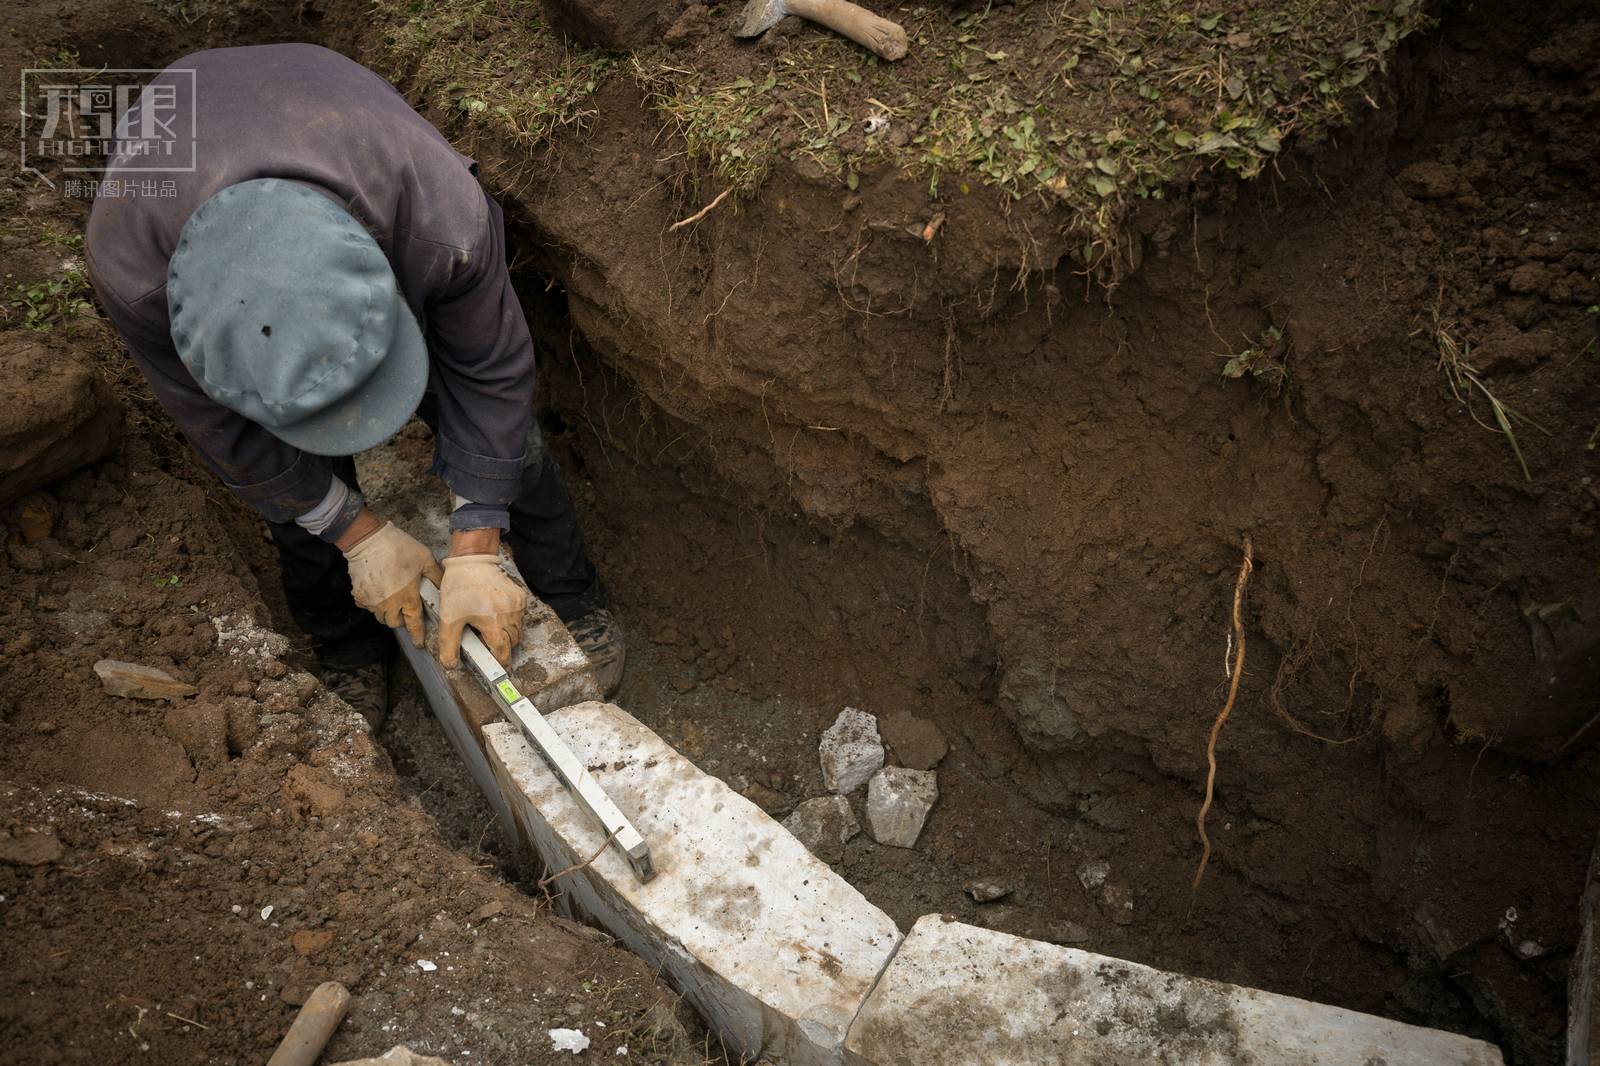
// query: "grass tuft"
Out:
[1092,106]
[1464,378]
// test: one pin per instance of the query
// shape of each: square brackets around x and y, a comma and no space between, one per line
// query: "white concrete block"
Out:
[898,802]
[956,994]
[851,751]
[773,949]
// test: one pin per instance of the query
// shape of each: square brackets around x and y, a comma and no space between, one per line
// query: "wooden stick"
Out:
[313,1026]
[698,215]
[1216,728]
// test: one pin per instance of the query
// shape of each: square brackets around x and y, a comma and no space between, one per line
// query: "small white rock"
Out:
[898,801]
[851,751]
[427,967]
[266,912]
[237,908]
[571,1040]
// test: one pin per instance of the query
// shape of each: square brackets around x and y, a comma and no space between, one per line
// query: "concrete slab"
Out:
[773,949]
[956,994]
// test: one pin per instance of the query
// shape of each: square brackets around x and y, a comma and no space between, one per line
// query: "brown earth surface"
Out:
[821,465]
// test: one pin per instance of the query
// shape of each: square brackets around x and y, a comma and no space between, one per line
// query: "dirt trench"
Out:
[823,463]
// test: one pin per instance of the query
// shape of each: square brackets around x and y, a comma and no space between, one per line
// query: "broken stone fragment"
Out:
[824,825]
[851,751]
[30,849]
[898,801]
[917,742]
[986,891]
[140,682]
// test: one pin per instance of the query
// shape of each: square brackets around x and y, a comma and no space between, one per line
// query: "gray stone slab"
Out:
[773,949]
[957,995]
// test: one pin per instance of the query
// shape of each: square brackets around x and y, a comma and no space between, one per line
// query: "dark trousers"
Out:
[545,541]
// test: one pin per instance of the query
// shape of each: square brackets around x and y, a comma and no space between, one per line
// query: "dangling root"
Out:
[1216,728]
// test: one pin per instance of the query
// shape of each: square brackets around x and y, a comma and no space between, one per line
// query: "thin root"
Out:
[543,881]
[698,215]
[1216,728]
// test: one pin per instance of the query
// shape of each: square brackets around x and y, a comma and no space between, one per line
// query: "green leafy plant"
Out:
[49,302]
[1264,360]
[171,581]
[66,240]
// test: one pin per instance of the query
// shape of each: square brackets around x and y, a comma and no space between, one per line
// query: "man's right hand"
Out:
[386,568]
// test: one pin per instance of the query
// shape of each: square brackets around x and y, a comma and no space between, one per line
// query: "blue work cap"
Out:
[285,310]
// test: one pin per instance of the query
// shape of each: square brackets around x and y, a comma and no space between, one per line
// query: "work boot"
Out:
[364,688]
[598,634]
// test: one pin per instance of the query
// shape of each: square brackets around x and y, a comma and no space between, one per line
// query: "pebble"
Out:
[1091,875]
[571,1040]
[851,751]
[986,891]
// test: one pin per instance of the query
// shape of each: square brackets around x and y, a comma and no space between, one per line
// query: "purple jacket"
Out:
[309,115]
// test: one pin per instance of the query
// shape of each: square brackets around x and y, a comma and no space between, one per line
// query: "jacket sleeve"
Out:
[274,477]
[482,371]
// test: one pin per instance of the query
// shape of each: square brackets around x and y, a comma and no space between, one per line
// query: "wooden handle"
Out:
[309,1034]
[876,34]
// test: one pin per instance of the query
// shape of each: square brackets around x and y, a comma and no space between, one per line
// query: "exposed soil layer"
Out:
[825,465]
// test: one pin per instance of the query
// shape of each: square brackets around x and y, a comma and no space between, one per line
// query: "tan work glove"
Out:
[385,570]
[476,590]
